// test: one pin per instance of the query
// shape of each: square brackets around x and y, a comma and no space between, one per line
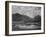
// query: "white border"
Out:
[29,31]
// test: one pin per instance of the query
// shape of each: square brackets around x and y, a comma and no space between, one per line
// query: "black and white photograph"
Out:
[26,18]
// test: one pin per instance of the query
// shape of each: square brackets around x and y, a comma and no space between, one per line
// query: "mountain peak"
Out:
[17,14]
[19,17]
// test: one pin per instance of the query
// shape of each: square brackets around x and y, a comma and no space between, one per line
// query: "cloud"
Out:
[30,11]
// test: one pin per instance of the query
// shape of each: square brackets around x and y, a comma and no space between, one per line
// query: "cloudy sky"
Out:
[30,11]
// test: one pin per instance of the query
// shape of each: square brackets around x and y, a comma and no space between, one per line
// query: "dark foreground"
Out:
[28,26]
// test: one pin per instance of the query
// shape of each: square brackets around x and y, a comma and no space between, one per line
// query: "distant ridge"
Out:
[19,17]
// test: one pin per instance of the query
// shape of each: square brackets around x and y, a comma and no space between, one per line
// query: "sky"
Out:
[30,11]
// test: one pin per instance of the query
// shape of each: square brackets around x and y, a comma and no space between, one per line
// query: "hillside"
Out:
[19,17]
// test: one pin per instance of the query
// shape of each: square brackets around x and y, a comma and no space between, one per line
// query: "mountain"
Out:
[19,17]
